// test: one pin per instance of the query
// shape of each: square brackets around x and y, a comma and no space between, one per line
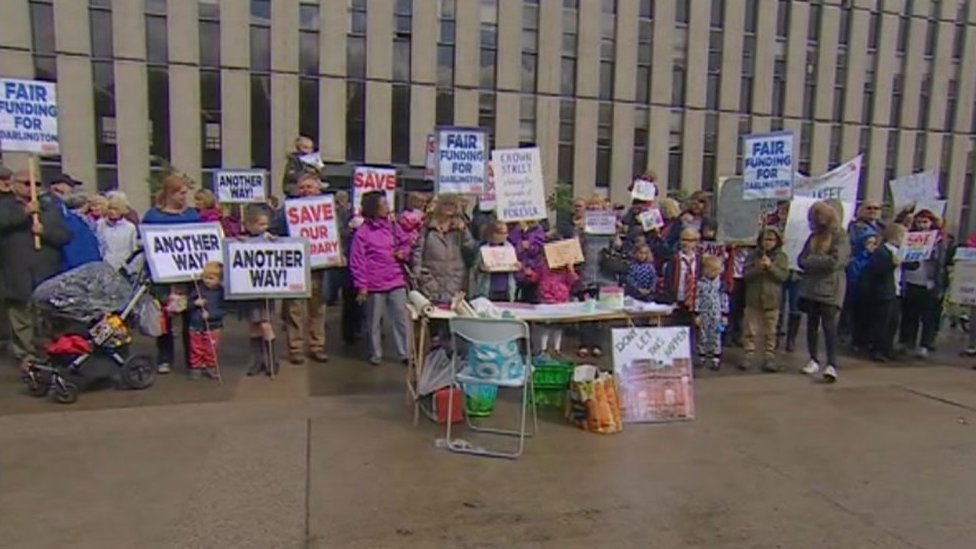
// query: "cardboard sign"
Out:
[462,155]
[240,186]
[430,158]
[716,249]
[314,219]
[563,252]
[768,164]
[912,189]
[177,253]
[654,373]
[643,190]
[964,254]
[962,290]
[738,218]
[500,259]
[488,200]
[839,183]
[518,184]
[29,116]
[651,219]
[267,269]
[599,222]
[369,179]
[918,246]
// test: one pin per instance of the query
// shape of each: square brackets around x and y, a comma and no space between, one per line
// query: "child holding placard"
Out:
[884,280]
[555,286]
[528,238]
[206,322]
[493,284]
[258,312]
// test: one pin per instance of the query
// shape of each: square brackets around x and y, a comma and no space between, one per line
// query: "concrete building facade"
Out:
[606,88]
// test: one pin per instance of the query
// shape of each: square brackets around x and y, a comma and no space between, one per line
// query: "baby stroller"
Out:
[87,310]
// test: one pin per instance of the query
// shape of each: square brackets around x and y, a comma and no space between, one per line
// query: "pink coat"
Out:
[556,286]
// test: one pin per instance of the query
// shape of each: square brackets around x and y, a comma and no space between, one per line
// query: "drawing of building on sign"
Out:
[652,391]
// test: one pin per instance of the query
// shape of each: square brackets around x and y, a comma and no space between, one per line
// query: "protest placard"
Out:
[964,254]
[430,158]
[563,252]
[29,116]
[267,269]
[768,166]
[918,246]
[651,219]
[312,159]
[518,184]
[938,207]
[367,179]
[912,189]
[738,218]
[599,222]
[314,220]
[654,373]
[488,200]
[643,190]
[499,258]
[962,289]
[177,253]
[240,186]
[462,154]
[716,249]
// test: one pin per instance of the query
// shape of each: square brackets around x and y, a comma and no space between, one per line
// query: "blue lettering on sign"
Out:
[768,166]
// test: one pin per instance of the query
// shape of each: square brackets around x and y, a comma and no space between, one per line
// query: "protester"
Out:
[441,255]
[118,238]
[5,194]
[378,257]
[697,209]
[352,310]
[411,219]
[257,312]
[529,238]
[641,280]
[823,260]
[206,204]
[23,263]
[62,185]
[591,275]
[925,283]
[206,322]
[859,290]
[711,312]
[336,277]
[95,208]
[297,166]
[884,274]
[734,278]
[764,273]
[172,208]
[555,286]
[130,215]
[304,317]
[868,221]
[680,277]
[496,286]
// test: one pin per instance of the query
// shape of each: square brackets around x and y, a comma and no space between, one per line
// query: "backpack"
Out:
[83,247]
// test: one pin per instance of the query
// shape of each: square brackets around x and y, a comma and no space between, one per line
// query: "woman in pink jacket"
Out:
[377,259]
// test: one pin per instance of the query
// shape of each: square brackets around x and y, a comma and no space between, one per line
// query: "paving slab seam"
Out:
[943,400]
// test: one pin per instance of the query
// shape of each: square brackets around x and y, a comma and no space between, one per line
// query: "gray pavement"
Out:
[326,457]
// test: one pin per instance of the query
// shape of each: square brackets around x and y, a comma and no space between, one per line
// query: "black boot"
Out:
[256,365]
[792,329]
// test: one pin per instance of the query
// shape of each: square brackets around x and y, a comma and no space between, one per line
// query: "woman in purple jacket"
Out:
[378,254]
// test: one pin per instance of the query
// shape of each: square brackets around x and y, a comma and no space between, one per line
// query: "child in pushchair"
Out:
[86,312]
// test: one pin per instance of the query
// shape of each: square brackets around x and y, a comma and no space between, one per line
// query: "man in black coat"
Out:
[23,266]
[5,193]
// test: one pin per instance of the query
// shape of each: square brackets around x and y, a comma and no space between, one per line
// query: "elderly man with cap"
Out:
[63,185]
[23,265]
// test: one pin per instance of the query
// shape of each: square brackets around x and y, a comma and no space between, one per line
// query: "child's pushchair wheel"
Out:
[65,392]
[38,384]
[138,372]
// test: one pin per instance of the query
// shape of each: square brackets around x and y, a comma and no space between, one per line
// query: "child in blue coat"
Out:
[857,300]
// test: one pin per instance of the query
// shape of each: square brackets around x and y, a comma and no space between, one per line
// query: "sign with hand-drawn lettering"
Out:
[654,373]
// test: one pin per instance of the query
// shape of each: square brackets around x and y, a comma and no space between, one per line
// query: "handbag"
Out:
[613,262]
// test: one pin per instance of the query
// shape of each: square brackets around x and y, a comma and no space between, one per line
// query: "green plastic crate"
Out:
[549,397]
[552,374]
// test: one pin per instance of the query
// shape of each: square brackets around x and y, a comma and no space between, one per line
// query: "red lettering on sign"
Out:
[314,232]
[324,248]
[310,214]
[372,181]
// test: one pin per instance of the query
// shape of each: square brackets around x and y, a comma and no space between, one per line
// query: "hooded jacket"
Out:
[373,261]
[530,257]
[764,287]
[824,278]
[859,261]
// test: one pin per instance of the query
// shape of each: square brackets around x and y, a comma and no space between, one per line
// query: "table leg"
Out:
[418,367]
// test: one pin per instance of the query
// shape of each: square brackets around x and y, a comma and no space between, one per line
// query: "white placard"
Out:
[600,222]
[29,116]
[918,246]
[839,183]
[462,156]
[938,207]
[768,164]
[964,254]
[962,290]
[240,186]
[268,269]
[518,184]
[430,158]
[177,253]
[314,219]
[371,179]
[643,190]
[312,159]
[651,219]
[654,372]
[499,258]
[915,188]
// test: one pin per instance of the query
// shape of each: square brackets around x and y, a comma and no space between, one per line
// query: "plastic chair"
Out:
[495,332]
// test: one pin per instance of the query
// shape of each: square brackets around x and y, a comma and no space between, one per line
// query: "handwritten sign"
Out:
[563,252]
[368,179]
[738,218]
[654,373]
[518,184]
[716,249]
[643,190]
[488,200]
[767,166]
[651,219]
[177,253]
[240,186]
[461,160]
[599,222]
[430,158]
[267,269]
[962,290]
[912,189]
[29,116]
[964,254]
[918,246]
[314,220]
[499,258]
[839,183]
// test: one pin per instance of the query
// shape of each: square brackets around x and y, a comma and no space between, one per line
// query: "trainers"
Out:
[163,368]
[830,374]
[194,374]
[211,373]
[375,360]
[970,352]
[811,368]
[715,364]
[922,353]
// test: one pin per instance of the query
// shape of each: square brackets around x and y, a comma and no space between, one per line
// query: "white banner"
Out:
[177,253]
[370,179]
[314,220]
[768,164]
[29,116]
[915,188]
[462,156]
[518,184]
[268,269]
[839,183]
[240,186]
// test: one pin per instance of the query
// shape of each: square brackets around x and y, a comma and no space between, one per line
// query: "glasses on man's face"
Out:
[872,208]
[692,240]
